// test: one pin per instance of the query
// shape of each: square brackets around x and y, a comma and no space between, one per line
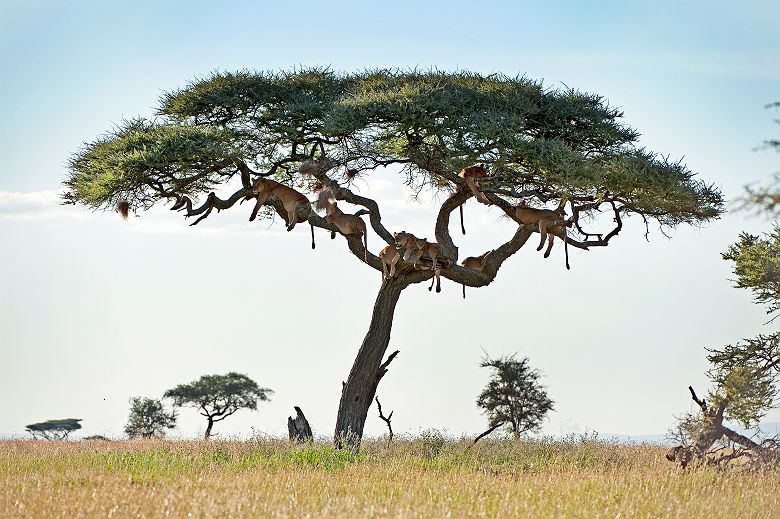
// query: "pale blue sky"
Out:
[94,310]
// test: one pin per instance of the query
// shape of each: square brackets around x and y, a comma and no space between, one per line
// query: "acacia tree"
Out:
[218,396]
[54,429]
[513,396]
[148,418]
[307,127]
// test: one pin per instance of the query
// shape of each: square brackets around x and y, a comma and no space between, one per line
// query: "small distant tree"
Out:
[513,397]
[54,429]
[218,396]
[148,418]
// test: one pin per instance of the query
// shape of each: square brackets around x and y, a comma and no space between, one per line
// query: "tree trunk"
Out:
[298,428]
[208,429]
[359,389]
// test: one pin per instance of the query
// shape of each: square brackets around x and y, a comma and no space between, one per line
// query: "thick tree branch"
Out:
[740,439]
[354,241]
[701,403]
[383,367]
[499,424]
[493,262]
[446,246]
[318,169]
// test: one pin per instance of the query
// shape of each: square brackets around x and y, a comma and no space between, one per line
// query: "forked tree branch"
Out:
[385,419]
[448,251]
[383,368]
[319,169]
[212,202]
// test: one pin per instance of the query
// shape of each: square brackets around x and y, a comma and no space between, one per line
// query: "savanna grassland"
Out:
[429,476]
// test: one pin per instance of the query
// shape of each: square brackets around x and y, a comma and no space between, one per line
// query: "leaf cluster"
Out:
[757,267]
[745,376]
[140,158]
[514,396]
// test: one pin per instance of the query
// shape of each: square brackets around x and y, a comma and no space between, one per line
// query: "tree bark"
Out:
[207,435]
[298,428]
[359,390]
[499,424]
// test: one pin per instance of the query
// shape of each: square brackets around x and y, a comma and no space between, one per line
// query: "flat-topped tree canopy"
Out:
[54,429]
[551,145]
[309,127]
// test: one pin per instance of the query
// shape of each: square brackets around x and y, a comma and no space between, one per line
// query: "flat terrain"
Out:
[424,477]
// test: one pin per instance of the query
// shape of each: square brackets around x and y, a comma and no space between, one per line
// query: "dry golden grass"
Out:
[424,477]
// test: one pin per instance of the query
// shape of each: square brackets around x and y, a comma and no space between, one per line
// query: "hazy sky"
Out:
[94,310]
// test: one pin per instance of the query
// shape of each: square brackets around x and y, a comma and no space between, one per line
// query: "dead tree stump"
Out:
[298,427]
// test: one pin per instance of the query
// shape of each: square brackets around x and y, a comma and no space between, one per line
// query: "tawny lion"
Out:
[262,188]
[412,249]
[346,223]
[472,176]
[475,263]
[544,218]
[390,258]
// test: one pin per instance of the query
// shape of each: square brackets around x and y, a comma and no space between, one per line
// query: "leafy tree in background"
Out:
[54,429]
[218,396]
[148,418]
[766,199]
[513,397]
[315,127]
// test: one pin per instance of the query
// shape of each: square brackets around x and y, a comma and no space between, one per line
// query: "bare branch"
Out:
[701,403]
[354,241]
[212,202]
[385,419]
[386,363]
[487,432]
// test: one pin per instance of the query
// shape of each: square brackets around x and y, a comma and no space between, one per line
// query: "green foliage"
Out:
[120,165]
[561,144]
[745,375]
[148,418]
[218,396]
[513,395]
[54,429]
[757,266]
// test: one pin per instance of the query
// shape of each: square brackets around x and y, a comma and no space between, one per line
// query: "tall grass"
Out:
[428,476]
